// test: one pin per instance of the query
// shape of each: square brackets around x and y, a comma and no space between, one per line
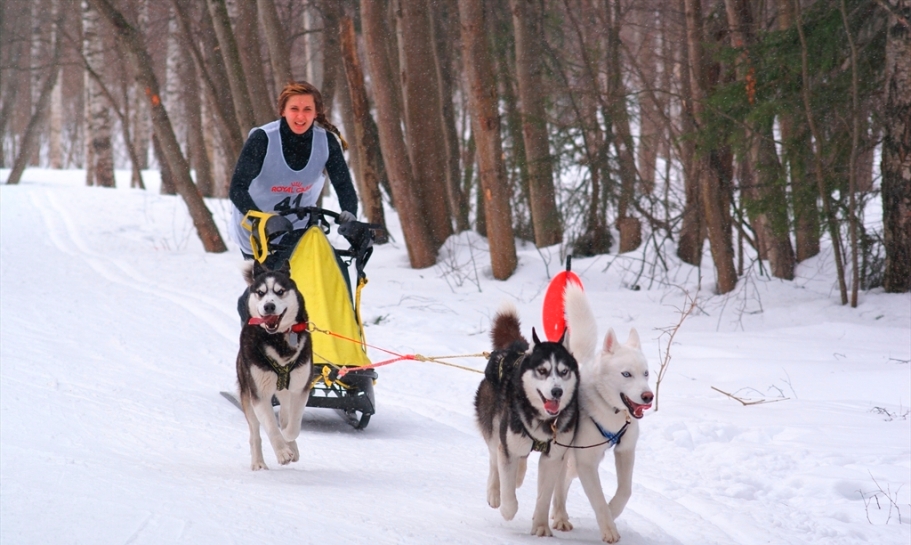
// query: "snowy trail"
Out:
[116,342]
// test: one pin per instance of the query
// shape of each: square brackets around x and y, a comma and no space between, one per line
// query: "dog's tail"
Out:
[583,329]
[506,328]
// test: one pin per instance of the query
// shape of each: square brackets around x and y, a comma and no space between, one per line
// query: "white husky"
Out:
[613,393]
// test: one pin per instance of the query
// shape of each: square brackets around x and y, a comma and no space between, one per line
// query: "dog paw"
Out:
[541,530]
[509,508]
[284,455]
[610,534]
[562,524]
[297,455]
[493,498]
[258,464]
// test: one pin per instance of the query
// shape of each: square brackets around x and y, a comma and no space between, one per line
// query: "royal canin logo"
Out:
[295,187]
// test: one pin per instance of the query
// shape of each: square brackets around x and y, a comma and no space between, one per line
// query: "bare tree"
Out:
[715,205]
[237,80]
[486,129]
[423,116]
[445,34]
[277,42]
[365,139]
[377,35]
[817,159]
[131,41]
[30,139]
[527,20]
[246,31]
[100,168]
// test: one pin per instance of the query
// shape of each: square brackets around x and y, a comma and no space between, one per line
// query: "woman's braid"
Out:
[321,119]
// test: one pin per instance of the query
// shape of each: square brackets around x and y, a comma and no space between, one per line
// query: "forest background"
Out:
[757,127]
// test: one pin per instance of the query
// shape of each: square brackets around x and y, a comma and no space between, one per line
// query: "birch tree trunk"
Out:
[423,116]
[30,139]
[139,108]
[896,154]
[196,146]
[98,122]
[55,126]
[131,41]
[377,35]
[486,129]
[173,100]
[526,18]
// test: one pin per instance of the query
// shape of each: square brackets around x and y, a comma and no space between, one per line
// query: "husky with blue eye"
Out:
[526,402]
[275,359]
[612,398]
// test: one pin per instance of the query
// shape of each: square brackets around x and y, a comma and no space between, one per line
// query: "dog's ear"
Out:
[246,269]
[564,338]
[534,336]
[633,340]
[258,268]
[285,267]
[610,342]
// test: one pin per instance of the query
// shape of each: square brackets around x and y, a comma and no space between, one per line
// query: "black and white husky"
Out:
[612,398]
[527,401]
[275,358]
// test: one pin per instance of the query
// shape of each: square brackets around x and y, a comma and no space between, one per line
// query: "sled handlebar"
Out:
[359,234]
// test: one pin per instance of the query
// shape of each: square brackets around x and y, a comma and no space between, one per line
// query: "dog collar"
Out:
[298,328]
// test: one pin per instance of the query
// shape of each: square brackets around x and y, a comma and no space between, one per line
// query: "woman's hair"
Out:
[304,88]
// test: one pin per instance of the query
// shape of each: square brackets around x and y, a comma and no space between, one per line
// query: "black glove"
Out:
[345,216]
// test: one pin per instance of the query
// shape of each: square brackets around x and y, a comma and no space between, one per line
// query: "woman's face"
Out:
[299,112]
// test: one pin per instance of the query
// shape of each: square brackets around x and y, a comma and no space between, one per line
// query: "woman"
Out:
[281,165]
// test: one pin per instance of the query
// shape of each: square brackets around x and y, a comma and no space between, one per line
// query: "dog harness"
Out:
[612,438]
[540,446]
[284,371]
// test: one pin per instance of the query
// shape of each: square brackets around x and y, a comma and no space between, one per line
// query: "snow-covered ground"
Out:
[118,332]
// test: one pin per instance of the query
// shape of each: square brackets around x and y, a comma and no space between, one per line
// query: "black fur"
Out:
[254,339]
[500,394]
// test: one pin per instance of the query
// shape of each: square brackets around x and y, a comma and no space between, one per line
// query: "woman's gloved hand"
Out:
[345,216]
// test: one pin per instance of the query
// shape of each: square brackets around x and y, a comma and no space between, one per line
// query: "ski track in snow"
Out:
[68,240]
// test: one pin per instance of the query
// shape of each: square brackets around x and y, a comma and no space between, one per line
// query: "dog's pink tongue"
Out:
[271,320]
[552,406]
[640,409]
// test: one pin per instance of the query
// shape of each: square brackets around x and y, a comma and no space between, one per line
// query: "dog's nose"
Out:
[269,308]
[557,393]
[648,397]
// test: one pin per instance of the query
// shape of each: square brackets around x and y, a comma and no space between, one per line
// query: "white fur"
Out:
[282,300]
[602,383]
[284,432]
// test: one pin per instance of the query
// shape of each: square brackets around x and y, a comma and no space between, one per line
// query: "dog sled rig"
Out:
[321,274]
